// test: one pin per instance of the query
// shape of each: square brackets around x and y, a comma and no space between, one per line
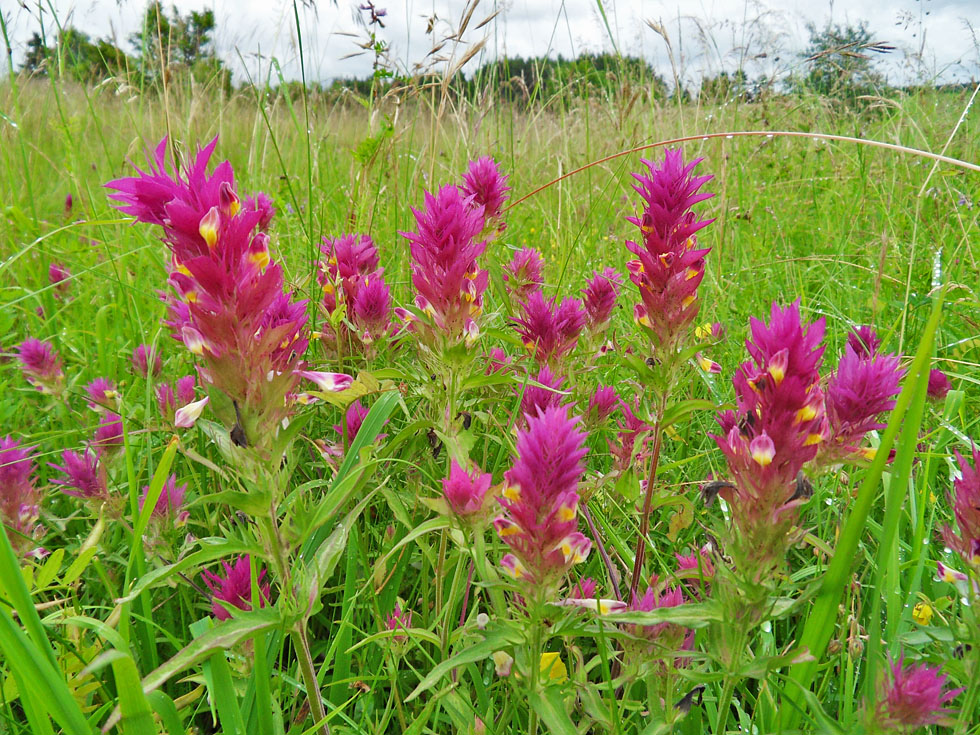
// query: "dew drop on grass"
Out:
[769,135]
[729,137]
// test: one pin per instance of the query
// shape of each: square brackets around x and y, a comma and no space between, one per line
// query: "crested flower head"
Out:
[19,497]
[669,265]
[85,476]
[371,310]
[522,275]
[497,360]
[353,418]
[939,385]
[40,365]
[170,504]
[352,281]
[540,503]
[445,272]
[228,305]
[864,341]
[487,186]
[234,587]
[146,361]
[913,696]
[859,391]
[465,492]
[168,402]
[630,428]
[550,330]
[600,295]
[777,427]
[966,511]
[660,637]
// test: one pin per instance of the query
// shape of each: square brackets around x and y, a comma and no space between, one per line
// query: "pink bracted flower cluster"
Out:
[669,265]
[146,361]
[445,270]
[230,308]
[19,497]
[660,639]
[540,502]
[548,393]
[234,587]
[966,510]
[862,388]
[913,696]
[522,275]
[60,277]
[399,620]
[352,280]
[777,427]
[169,402]
[170,505]
[602,404]
[629,429]
[466,492]
[599,297]
[550,330]
[41,365]
[85,475]
[484,183]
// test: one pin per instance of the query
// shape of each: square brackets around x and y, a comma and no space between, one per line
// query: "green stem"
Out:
[302,646]
[487,574]
[641,541]
[734,656]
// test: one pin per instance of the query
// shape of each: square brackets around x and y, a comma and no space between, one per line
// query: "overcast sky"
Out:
[935,38]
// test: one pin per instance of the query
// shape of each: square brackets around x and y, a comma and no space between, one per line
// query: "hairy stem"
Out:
[641,541]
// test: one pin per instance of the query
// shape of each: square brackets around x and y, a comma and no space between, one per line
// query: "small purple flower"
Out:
[539,397]
[939,385]
[102,394]
[464,491]
[913,696]
[60,277]
[170,504]
[484,182]
[353,418]
[399,620]
[19,498]
[966,510]
[235,587]
[371,309]
[85,476]
[69,202]
[550,330]
[864,341]
[522,275]
[40,365]
[109,434]
[602,404]
[599,297]
[146,361]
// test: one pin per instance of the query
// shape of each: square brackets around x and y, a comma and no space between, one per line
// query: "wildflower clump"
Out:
[539,521]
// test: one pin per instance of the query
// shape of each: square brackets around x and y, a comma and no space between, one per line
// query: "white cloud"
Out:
[707,36]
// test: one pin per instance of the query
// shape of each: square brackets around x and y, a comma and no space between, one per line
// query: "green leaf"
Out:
[683,409]
[137,718]
[550,707]
[495,641]
[167,711]
[221,637]
[693,615]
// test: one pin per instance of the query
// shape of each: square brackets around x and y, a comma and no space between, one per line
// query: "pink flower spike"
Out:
[549,330]
[146,361]
[487,186]
[913,696]
[60,277]
[864,341]
[399,620]
[187,416]
[185,389]
[602,404]
[966,510]
[234,588]
[599,297]
[102,394]
[40,365]
[170,503]
[939,385]
[465,492]
[327,382]
[84,474]
[109,434]
[19,497]
[522,275]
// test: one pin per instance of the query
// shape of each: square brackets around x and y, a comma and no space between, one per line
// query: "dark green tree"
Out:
[841,61]
[75,55]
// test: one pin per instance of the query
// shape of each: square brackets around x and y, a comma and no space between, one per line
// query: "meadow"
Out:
[431,521]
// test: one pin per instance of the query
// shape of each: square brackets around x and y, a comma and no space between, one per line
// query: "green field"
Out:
[860,234]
